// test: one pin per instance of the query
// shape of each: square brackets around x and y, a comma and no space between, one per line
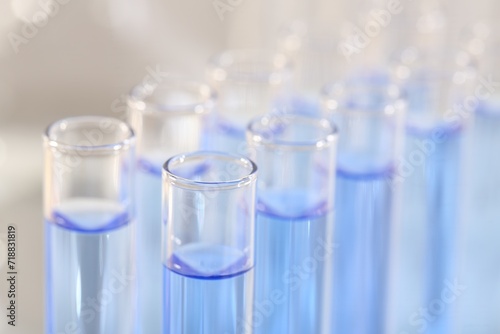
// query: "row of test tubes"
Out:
[268,200]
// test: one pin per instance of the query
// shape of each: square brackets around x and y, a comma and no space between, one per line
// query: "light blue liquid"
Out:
[363,228]
[293,267]
[90,269]
[208,289]
[481,302]
[149,262]
[228,137]
[432,211]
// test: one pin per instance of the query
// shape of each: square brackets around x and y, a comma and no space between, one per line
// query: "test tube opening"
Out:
[210,170]
[369,112]
[89,133]
[249,66]
[172,96]
[291,132]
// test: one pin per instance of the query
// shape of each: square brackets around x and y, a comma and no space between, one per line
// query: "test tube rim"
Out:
[127,141]
[138,94]
[216,62]
[395,108]
[186,183]
[317,144]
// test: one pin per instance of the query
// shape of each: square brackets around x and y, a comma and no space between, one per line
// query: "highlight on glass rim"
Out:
[250,167]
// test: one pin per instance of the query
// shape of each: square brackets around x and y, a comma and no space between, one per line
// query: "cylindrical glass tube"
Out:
[294,228]
[208,243]
[431,171]
[248,83]
[369,116]
[169,117]
[89,229]
[477,310]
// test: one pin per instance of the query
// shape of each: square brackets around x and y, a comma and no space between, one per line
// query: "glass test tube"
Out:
[432,172]
[369,117]
[208,243]
[248,83]
[168,117]
[89,229]
[482,298]
[294,228]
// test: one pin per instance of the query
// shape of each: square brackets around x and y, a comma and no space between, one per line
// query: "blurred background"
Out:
[60,58]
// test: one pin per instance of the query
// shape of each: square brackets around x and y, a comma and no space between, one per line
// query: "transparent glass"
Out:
[208,243]
[433,171]
[369,114]
[479,275]
[434,82]
[317,60]
[248,83]
[89,226]
[169,117]
[322,55]
[294,244]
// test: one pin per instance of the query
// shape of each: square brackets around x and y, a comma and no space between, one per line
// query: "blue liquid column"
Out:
[369,116]
[294,229]
[89,226]
[249,83]
[208,243]
[169,117]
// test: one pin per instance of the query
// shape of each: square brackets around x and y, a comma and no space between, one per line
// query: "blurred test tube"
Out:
[169,117]
[369,114]
[478,307]
[433,171]
[249,83]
